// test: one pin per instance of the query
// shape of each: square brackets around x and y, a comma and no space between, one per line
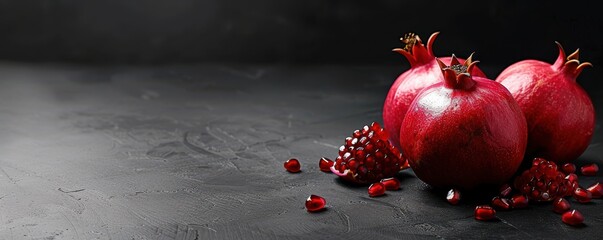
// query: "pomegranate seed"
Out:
[501,203]
[376,190]
[572,177]
[582,196]
[596,190]
[573,217]
[325,164]
[292,165]
[590,169]
[519,201]
[454,196]
[561,205]
[505,190]
[391,184]
[315,203]
[568,168]
[484,213]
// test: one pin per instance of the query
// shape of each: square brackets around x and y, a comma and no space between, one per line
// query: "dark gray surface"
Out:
[196,152]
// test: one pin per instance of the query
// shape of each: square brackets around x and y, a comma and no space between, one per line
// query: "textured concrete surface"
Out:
[196,152]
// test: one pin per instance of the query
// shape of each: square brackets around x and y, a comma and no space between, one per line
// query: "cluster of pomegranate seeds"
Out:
[484,213]
[590,169]
[543,181]
[368,156]
[573,217]
[454,196]
[292,165]
[376,189]
[315,203]
[325,164]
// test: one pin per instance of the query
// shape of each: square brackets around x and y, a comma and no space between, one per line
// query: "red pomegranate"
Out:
[464,131]
[560,115]
[424,71]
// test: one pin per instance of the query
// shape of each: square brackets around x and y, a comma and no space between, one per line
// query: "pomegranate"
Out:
[464,131]
[560,114]
[424,71]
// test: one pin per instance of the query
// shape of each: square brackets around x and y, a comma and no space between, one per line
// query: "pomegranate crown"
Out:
[570,64]
[415,52]
[457,75]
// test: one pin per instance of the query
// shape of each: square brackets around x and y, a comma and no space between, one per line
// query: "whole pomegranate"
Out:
[424,71]
[464,131]
[560,115]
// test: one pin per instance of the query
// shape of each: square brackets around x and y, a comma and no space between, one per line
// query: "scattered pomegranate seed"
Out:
[315,203]
[325,164]
[573,217]
[376,189]
[596,190]
[484,213]
[391,184]
[561,205]
[292,165]
[505,190]
[519,201]
[582,196]
[568,168]
[590,169]
[454,196]
[573,179]
[501,203]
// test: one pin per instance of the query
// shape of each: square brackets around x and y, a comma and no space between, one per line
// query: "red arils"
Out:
[561,205]
[292,165]
[596,190]
[454,196]
[376,190]
[505,190]
[519,201]
[501,203]
[391,184]
[568,168]
[484,213]
[590,169]
[315,203]
[573,217]
[582,196]
[368,156]
[543,182]
[325,164]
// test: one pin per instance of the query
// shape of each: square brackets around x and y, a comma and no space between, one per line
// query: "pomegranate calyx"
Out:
[415,51]
[457,76]
[571,64]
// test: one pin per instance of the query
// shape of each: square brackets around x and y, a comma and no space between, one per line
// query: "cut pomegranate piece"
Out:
[519,201]
[501,203]
[596,190]
[561,205]
[573,218]
[325,164]
[505,190]
[590,169]
[292,165]
[376,190]
[582,196]
[484,213]
[454,196]
[315,203]
[568,168]
[543,181]
[391,184]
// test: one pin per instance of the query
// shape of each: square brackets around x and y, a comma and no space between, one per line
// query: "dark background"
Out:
[292,32]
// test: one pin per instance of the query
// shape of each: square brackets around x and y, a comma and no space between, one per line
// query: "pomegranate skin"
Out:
[424,71]
[464,135]
[559,113]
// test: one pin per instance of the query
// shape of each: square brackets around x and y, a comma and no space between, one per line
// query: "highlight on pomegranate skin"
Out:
[559,113]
